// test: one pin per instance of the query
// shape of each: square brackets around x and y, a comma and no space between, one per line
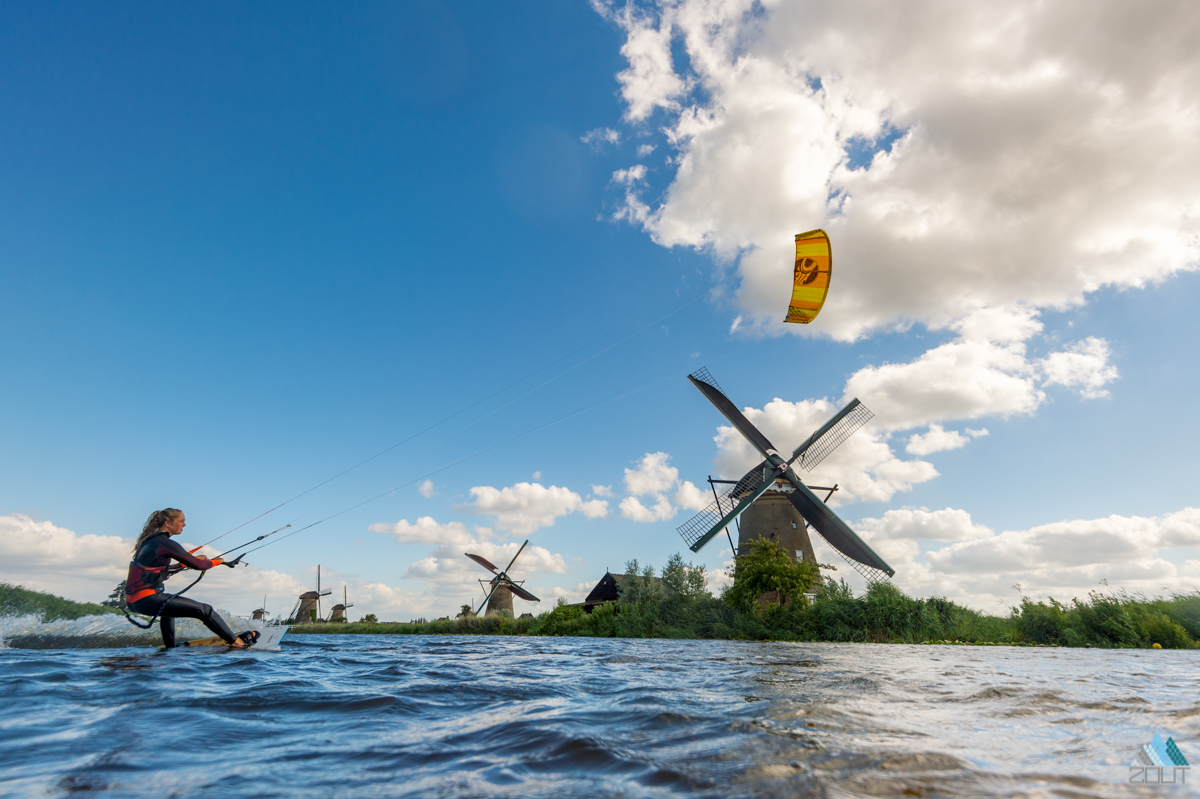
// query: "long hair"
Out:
[154,524]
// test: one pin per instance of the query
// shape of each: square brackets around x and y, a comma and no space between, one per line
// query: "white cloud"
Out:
[426,489]
[537,476]
[864,466]
[692,498]
[650,81]
[424,531]
[652,475]
[1083,365]
[526,507]
[603,491]
[601,136]
[44,557]
[1041,155]
[633,509]
[985,371]
[1063,559]
[644,150]
[948,524]
[936,439]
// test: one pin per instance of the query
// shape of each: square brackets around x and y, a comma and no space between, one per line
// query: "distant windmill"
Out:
[791,498]
[309,609]
[502,587]
[260,614]
[339,611]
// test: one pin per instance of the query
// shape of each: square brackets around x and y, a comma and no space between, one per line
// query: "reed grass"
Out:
[882,614]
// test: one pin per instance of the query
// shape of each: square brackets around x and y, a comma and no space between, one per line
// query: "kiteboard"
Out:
[268,640]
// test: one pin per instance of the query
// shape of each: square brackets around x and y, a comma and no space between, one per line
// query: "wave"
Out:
[106,631]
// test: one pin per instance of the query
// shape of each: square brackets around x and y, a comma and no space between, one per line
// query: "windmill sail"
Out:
[708,387]
[702,527]
[810,281]
[831,434]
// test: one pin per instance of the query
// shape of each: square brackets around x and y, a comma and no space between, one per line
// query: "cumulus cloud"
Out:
[1062,559]
[961,157]
[936,439]
[654,477]
[526,507]
[426,489]
[651,476]
[690,497]
[864,467]
[426,531]
[1083,365]
[633,509]
[44,557]
[603,491]
[985,371]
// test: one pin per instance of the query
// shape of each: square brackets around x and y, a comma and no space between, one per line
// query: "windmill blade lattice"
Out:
[698,530]
[831,435]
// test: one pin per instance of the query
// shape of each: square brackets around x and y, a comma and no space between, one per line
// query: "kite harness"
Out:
[151,566]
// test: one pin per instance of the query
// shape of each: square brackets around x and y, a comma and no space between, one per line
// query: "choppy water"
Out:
[489,716]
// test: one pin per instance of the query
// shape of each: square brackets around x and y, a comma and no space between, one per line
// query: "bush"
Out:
[764,568]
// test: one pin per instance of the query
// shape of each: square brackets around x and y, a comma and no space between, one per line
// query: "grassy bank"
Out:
[883,614]
[17,601]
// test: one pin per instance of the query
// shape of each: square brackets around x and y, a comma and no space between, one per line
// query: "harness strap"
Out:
[131,598]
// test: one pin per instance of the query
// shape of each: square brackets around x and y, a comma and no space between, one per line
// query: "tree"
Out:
[465,611]
[368,619]
[684,580]
[117,598]
[763,567]
[640,586]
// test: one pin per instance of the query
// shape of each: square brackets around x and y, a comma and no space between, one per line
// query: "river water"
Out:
[449,716]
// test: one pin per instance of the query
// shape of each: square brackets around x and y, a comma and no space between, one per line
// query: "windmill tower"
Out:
[309,609]
[501,588]
[338,613]
[260,614]
[773,483]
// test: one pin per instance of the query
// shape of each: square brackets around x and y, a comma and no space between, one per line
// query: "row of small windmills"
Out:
[308,606]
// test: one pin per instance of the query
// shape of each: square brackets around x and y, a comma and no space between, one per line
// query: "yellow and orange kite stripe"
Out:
[810,284]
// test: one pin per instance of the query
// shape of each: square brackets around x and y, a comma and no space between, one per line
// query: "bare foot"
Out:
[239,643]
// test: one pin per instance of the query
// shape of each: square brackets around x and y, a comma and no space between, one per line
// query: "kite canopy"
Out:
[814,263]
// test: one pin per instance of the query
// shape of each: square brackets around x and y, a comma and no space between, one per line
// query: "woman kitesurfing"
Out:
[151,566]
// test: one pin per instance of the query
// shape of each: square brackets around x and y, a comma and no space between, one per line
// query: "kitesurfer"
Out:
[151,565]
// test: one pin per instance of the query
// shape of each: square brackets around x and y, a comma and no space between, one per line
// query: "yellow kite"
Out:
[814,263]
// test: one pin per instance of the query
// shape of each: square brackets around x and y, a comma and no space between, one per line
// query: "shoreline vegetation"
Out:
[18,601]
[773,598]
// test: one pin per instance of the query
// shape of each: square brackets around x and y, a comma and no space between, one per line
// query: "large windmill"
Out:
[501,587]
[776,473]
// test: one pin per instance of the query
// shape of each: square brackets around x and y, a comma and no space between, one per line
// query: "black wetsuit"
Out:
[149,568]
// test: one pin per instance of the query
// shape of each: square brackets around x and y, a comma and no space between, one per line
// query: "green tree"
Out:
[465,611]
[684,580]
[640,586]
[368,619]
[117,598]
[764,566]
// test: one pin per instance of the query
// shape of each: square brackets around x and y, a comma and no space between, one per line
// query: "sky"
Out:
[430,276]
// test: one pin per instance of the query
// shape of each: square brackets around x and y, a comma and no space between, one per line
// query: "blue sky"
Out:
[242,249]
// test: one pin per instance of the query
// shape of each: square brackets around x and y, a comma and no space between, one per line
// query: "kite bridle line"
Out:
[476,404]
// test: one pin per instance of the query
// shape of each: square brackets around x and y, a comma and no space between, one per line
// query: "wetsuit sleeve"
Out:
[172,549]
